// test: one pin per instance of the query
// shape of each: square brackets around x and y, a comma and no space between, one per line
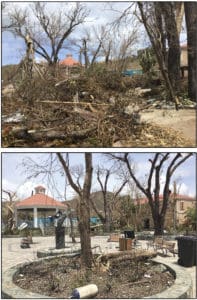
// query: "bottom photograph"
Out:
[98,225]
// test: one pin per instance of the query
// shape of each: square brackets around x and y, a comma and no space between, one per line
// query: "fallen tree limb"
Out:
[127,255]
[72,103]
[50,134]
[87,114]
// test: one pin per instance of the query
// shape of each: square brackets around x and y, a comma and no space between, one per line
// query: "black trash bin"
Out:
[187,246]
[129,234]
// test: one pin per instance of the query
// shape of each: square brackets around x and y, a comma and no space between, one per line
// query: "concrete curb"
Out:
[9,290]
[181,289]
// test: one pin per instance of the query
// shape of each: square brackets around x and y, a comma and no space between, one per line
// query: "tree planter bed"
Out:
[181,288]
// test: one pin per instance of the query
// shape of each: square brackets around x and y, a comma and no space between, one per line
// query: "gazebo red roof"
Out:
[69,61]
[40,200]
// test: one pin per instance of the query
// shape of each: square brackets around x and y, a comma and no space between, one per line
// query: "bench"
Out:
[114,237]
[160,244]
[156,243]
[169,246]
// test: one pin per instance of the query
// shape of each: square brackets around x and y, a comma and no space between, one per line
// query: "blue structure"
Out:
[95,220]
[132,72]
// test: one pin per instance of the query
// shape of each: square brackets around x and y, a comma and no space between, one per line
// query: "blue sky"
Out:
[14,178]
[13,48]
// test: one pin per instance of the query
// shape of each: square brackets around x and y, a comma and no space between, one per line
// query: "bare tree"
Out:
[123,48]
[153,182]
[83,204]
[91,44]
[109,202]
[10,219]
[191,23]
[79,181]
[157,39]
[48,30]
[121,43]
[168,11]
[7,24]
[107,48]
[84,51]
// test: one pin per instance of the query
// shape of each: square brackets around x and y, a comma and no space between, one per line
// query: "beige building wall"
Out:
[184,61]
[175,214]
[181,209]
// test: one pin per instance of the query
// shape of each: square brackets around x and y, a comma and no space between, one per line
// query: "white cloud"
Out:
[8,185]
[25,190]
[184,189]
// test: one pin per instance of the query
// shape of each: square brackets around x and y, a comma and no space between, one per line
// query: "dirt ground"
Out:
[183,121]
[125,278]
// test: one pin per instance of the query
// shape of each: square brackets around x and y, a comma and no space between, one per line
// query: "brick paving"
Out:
[12,254]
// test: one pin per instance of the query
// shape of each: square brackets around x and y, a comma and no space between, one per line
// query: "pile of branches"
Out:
[69,124]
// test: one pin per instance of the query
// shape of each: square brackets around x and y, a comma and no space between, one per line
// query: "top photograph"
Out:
[98,74]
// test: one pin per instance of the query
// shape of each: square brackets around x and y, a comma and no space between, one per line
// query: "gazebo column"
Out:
[35,217]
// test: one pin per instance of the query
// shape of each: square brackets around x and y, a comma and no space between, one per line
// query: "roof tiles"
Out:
[178,197]
[69,61]
[40,200]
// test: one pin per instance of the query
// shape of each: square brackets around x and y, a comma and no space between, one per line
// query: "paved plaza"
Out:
[12,254]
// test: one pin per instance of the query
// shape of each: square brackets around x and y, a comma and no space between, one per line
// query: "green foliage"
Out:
[106,79]
[191,216]
[147,60]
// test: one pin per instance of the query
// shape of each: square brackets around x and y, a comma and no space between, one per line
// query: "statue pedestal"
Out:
[60,237]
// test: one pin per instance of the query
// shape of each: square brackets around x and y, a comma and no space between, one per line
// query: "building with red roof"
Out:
[176,211]
[38,206]
[69,61]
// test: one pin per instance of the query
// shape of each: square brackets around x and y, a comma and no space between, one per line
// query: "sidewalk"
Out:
[12,254]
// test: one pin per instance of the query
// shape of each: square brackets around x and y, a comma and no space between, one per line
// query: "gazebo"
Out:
[69,64]
[69,61]
[38,205]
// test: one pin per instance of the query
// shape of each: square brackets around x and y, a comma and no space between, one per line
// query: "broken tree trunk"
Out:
[50,134]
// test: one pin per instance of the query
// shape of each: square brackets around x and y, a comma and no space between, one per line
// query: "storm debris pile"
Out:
[82,112]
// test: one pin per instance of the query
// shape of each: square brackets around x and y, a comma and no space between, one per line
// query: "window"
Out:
[181,205]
